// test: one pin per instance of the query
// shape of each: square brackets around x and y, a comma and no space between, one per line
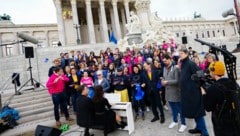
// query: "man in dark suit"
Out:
[151,78]
[85,110]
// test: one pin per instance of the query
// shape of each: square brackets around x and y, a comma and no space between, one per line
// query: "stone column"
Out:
[104,21]
[112,20]
[126,5]
[235,27]
[61,28]
[91,32]
[1,47]
[75,21]
[47,38]
[100,29]
[123,21]
[15,49]
[116,18]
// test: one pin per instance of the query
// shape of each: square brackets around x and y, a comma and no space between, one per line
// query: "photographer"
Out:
[214,99]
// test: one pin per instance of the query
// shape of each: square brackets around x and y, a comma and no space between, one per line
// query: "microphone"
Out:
[27,38]
[228,12]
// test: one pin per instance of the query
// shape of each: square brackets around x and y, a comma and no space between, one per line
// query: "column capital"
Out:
[73,2]
[57,1]
[88,2]
[101,2]
[126,1]
[142,4]
[114,2]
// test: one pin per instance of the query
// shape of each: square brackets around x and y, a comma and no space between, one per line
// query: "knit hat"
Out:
[119,70]
[217,68]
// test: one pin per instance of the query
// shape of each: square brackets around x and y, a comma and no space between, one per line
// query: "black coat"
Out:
[151,85]
[71,82]
[213,100]
[152,93]
[104,115]
[191,97]
[85,111]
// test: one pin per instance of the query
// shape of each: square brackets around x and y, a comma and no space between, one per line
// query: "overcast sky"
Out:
[43,11]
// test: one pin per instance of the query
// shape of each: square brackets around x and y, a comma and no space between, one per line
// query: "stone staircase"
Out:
[35,108]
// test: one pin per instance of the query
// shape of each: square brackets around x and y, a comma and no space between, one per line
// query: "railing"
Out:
[5,85]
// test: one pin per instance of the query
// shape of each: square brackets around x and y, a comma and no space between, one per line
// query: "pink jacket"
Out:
[137,60]
[57,87]
[87,81]
[165,46]
[127,59]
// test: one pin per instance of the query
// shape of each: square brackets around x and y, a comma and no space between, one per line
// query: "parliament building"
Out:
[81,22]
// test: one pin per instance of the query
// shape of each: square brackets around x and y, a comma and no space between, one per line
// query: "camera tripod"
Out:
[31,80]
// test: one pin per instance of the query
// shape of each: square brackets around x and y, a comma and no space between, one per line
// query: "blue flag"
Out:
[113,38]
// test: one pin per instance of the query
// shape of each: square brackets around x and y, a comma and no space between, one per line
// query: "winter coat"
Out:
[104,84]
[224,124]
[85,111]
[191,98]
[172,90]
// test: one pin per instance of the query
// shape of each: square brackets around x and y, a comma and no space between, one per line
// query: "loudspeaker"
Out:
[184,40]
[47,131]
[29,52]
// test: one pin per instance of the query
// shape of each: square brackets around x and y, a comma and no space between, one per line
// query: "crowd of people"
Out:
[153,76]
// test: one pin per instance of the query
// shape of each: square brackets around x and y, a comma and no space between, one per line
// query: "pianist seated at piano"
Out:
[103,111]
[93,112]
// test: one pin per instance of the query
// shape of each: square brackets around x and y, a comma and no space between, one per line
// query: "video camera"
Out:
[202,79]
[229,60]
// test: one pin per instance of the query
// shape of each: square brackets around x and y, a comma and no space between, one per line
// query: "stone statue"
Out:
[5,17]
[195,15]
[157,33]
[135,25]
[155,22]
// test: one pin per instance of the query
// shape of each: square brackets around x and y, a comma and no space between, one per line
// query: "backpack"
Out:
[231,105]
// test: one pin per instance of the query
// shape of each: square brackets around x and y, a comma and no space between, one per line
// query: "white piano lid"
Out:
[112,98]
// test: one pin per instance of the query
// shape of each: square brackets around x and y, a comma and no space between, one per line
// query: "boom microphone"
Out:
[27,38]
[228,12]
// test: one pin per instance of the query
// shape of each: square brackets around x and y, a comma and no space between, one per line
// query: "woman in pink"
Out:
[138,58]
[199,63]
[127,57]
[165,46]
[88,82]
[55,85]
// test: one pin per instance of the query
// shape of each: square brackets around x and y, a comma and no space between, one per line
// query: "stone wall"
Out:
[9,65]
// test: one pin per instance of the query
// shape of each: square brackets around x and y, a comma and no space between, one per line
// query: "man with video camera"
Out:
[218,100]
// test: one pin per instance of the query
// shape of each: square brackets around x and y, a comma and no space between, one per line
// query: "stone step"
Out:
[36,111]
[36,117]
[32,102]
[24,93]
[31,126]
[21,129]
[30,98]
[34,106]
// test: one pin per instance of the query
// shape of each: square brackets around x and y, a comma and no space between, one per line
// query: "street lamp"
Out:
[76,26]
[231,12]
